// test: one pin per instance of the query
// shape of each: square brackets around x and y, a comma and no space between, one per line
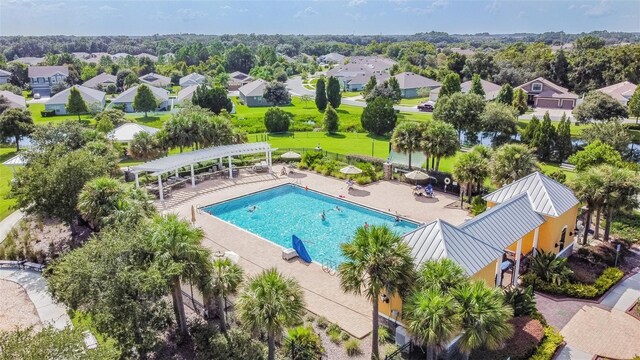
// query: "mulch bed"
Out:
[634,310]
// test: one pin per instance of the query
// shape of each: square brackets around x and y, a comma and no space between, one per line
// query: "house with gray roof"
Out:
[252,93]
[353,77]
[15,101]
[127,131]
[100,81]
[410,83]
[192,79]
[125,99]
[491,90]
[331,58]
[621,91]
[238,79]
[156,80]
[186,94]
[29,60]
[4,76]
[42,78]
[544,94]
[95,99]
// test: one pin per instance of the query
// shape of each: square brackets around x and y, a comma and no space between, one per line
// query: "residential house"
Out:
[125,99]
[15,101]
[353,77]
[95,99]
[331,58]
[186,94]
[490,89]
[43,78]
[31,61]
[100,81]
[621,91]
[4,76]
[544,94]
[238,79]
[125,132]
[252,93]
[147,55]
[410,83]
[374,63]
[532,214]
[156,80]
[192,79]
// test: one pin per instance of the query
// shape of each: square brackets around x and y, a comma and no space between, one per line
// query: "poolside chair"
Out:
[429,190]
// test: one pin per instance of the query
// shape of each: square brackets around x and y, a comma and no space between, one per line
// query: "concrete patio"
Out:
[322,291]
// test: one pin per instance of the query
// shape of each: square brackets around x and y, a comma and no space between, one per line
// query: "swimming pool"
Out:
[285,210]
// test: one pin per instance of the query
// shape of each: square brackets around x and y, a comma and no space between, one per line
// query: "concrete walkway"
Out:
[34,284]
[8,223]
[597,329]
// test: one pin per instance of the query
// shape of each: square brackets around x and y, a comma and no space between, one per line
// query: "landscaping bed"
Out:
[634,310]
[528,334]
[604,282]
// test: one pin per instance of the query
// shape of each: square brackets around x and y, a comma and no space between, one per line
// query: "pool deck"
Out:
[322,291]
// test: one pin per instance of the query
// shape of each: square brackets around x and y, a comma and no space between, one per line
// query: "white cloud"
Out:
[190,14]
[356,2]
[493,6]
[428,8]
[595,10]
[306,12]
[225,7]
[107,8]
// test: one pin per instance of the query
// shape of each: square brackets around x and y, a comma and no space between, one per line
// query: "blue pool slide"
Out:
[298,246]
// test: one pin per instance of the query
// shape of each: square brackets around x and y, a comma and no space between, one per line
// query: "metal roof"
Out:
[128,95]
[89,95]
[173,162]
[504,224]
[547,196]
[17,160]
[439,240]
[126,132]
[254,88]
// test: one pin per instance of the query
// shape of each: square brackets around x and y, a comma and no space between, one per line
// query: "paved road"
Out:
[296,88]
[34,284]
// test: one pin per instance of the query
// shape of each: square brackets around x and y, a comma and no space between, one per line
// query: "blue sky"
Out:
[146,17]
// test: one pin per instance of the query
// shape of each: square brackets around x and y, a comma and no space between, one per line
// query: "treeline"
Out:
[291,45]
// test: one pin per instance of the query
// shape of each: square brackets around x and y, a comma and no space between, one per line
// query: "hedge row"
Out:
[577,290]
[552,340]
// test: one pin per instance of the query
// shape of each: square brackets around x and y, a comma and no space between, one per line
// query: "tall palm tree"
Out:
[144,146]
[622,189]
[177,245]
[98,200]
[432,319]
[484,317]
[442,275]
[270,302]
[511,162]
[406,138]
[224,280]
[443,141]
[376,259]
[589,187]
[470,168]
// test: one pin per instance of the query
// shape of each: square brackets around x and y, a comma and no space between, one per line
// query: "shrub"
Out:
[309,159]
[322,322]
[364,158]
[478,205]
[390,349]
[384,335]
[353,347]
[333,328]
[521,300]
[599,254]
[583,291]
[307,343]
[550,268]
[277,120]
[335,337]
[627,226]
[552,340]
[558,175]
[363,180]
[527,335]
[330,120]
[608,278]
[345,336]
[311,318]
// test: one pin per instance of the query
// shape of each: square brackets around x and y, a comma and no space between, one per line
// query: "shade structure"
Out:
[291,155]
[350,170]
[417,175]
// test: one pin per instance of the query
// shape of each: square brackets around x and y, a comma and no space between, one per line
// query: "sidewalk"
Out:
[34,284]
[8,223]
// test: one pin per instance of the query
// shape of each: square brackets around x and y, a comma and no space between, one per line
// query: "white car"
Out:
[36,96]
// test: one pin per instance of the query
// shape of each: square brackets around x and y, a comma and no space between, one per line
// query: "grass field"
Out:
[412,102]
[351,93]
[5,182]
[36,109]
[342,143]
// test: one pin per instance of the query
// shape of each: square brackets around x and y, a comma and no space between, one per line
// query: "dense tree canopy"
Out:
[379,117]
[598,106]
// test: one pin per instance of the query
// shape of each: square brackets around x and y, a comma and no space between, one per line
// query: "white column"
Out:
[536,233]
[516,271]
[230,171]
[220,163]
[499,272]
[193,177]
[177,173]
[160,188]
[137,179]
[269,160]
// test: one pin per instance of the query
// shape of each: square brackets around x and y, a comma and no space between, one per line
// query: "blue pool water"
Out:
[288,209]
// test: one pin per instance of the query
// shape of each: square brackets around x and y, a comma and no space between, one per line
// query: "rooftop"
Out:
[89,95]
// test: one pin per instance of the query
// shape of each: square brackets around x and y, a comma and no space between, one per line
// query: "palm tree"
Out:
[224,280]
[270,302]
[484,317]
[622,188]
[98,200]
[550,268]
[177,245]
[376,259]
[589,187]
[443,141]
[511,162]
[442,275]
[406,138]
[470,168]
[432,319]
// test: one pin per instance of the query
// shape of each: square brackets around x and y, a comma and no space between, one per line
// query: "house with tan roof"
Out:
[156,80]
[100,81]
[490,89]
[186,94]
[621,91]
[15,101]
[42,78]
[238,79]
[542,93]
[410,83]
[95,99]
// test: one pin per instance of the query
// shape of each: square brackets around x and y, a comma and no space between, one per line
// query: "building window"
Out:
[537,87]
[563,236]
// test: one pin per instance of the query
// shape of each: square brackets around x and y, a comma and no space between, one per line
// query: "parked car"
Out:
[36,96]
[426,106]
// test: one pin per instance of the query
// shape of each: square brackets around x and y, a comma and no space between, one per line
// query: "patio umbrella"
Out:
[350,170]
[291,155]
[417,176]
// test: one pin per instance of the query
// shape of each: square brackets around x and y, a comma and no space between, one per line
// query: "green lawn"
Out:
[5,182]
[82,321]
[154,120]
[413,102]
[342,143]
[36,115]
[351,93]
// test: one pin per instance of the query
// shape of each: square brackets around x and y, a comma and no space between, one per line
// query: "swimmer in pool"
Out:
[366,225]
[338,208]
[323,216]
[397,218]
[252,208]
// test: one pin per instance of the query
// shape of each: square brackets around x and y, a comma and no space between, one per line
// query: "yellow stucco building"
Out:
[532,214]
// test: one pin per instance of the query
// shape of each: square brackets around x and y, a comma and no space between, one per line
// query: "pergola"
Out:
[17,160]
[172,163]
